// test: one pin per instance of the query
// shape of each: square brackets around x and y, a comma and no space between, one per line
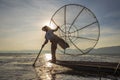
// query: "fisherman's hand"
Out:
[58,26]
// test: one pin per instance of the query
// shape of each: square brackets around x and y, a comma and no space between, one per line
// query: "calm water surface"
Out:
[19,67]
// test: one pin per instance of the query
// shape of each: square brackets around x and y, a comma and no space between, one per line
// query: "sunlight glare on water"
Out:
[48,57]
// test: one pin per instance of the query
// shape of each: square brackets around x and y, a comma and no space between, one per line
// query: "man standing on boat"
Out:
[54,39]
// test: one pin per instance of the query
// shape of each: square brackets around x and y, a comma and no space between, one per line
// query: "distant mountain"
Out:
[114,50]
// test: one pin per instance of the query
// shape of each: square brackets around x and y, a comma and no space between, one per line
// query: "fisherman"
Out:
[54,39]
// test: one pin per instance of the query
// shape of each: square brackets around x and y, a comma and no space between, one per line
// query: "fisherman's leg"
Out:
[53,51]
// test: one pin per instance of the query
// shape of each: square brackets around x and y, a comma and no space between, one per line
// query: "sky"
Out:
[21,21]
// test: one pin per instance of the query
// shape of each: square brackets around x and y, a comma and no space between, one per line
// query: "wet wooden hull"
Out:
[107,67]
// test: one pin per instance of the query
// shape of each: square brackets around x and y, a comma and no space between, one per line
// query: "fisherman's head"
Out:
[46,28]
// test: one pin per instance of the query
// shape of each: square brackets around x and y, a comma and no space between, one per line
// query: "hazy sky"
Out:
[21,21]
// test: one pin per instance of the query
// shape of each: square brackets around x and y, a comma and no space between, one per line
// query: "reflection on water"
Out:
[19,67]
[47,67]
[48,57]
[60,71]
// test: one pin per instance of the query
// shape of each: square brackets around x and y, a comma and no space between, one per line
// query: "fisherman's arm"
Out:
[56,28]
[45,42]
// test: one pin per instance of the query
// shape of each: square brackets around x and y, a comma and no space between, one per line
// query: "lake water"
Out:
[19,67]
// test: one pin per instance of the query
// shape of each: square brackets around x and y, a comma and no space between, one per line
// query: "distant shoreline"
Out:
[113,50]
[97,54]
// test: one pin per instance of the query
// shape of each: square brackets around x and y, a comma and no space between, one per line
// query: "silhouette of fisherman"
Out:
[54,39]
